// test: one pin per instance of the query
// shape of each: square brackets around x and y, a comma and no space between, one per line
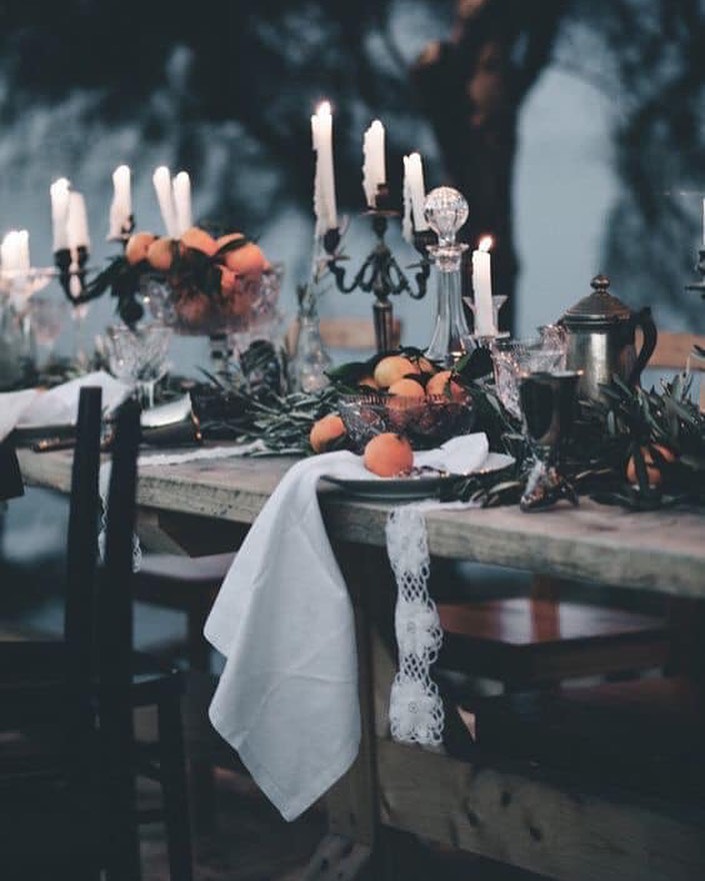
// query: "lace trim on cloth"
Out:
[163,459]
[415,706]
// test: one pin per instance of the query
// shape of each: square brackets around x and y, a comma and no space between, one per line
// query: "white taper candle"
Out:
[59,192]
[482,288]
[324,203]
[162,185]
[373,168]
[181,189]
[121,206]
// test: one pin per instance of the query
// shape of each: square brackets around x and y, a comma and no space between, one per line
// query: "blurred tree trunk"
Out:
[472,88]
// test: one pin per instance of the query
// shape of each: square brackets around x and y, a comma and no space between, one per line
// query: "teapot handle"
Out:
[644,320]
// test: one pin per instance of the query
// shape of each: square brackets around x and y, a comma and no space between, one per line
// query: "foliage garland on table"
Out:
[661,432]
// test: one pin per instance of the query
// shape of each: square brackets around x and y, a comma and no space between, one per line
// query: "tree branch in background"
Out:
[472,87]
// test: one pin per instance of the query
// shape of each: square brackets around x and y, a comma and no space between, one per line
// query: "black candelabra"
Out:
[72,266]
[380,274]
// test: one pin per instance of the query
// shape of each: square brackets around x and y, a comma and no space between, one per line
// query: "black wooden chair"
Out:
[68,755]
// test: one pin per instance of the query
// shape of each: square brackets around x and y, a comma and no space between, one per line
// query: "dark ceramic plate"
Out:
[406,488]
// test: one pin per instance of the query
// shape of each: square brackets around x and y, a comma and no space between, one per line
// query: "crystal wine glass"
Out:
[47,315]
[138,356]
[512,358]
[548,403]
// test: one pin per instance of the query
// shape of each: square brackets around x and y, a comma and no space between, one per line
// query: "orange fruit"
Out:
[408,387]
[392,368]
[137,247]
[200,240]
[230,237]
[443,384]
[388,455]
[653,469]
[247,260]
[238,297]
[160,254]
[425,366]
[325,432]
[194,311]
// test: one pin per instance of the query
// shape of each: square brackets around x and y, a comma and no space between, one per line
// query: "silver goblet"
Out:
[548,402]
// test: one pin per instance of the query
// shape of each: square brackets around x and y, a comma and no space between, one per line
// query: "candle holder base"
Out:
[485,340]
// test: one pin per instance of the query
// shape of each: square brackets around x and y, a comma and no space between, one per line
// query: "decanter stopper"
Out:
[445,210]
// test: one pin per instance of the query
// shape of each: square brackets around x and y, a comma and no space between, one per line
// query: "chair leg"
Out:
[202,772]
[198,651]
[175,791]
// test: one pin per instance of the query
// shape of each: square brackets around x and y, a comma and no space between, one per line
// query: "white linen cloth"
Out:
[287,699]
[33,408]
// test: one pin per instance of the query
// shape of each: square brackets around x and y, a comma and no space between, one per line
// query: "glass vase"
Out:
[311,359]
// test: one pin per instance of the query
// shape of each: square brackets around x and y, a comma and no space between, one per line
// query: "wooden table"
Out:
[515,816]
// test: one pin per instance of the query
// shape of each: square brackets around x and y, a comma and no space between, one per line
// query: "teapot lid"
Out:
[598,307]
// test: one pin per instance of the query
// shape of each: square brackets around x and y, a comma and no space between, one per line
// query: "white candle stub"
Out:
[59,192]
[482,288]
[162,185]
[181,190]
[121,206]
[14,252]
[414,197]
[373,168]
[324,204]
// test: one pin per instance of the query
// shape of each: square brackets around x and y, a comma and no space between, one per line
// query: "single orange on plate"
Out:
[388,455]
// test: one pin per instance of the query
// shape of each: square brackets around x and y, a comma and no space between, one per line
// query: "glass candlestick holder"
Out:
[17,286]
[446,210]
[485,339]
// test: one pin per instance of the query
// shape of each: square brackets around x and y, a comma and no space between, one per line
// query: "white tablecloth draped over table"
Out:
[287,699]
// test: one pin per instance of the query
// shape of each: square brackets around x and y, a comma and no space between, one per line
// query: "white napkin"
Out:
[59,405]
[287,699]
[12,406]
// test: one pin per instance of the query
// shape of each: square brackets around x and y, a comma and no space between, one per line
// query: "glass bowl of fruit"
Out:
[410,398]
[197,284]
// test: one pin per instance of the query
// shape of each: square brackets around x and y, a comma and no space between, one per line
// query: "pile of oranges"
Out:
[213,279]
[405,382]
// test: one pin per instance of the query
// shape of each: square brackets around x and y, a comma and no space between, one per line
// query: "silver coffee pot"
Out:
[600,331]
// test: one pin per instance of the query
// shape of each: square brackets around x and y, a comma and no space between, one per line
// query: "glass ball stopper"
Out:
[445,210]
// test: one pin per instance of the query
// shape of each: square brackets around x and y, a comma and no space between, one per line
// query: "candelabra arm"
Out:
[72,275]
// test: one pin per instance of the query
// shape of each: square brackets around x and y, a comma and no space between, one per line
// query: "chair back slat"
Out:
[115,647]
[82,543]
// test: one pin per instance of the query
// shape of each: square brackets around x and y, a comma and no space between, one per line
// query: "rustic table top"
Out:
[662,551]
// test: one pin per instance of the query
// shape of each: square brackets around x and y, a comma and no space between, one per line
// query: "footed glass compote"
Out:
[17,287]
[446,211]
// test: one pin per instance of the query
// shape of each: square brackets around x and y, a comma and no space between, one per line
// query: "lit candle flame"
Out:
[323,109]
[485,244]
